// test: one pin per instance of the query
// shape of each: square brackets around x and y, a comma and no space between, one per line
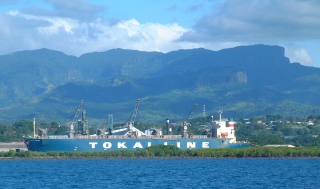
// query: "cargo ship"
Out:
[217,134]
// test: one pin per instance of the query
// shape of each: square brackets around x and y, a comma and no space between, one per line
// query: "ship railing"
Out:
[199,136]
[87,137]
[148,136]
[171,136]
[57,137]
[241,142]
[140,137]
[91,137]
[117,136]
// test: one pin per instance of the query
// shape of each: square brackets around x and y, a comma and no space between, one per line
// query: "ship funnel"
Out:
[230,122]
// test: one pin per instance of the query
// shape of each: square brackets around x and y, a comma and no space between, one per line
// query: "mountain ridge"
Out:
[259,78]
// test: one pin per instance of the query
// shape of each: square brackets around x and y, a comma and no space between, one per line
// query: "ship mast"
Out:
[34,127]
[220,112]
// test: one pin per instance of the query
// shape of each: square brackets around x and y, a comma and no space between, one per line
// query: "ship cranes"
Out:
[110,124]
[82,129]
[130,122]
[128,130]
[186,123]
[76,115]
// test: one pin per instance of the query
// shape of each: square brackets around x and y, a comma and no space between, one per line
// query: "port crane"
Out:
[131,120]
[82,129]
[128,127]
[186,123]
[76,115]
[110,121]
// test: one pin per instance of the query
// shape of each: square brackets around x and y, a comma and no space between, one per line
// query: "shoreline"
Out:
[167,152]
[138,158]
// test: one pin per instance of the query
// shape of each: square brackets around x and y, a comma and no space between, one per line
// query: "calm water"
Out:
[161,173]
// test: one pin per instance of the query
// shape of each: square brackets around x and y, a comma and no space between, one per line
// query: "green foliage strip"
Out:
[172,151]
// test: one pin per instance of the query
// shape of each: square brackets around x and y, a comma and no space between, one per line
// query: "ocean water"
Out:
[162,173]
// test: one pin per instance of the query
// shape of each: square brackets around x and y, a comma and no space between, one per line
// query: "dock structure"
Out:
[16,146]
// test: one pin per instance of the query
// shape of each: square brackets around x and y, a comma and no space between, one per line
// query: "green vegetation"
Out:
[244,81]
[274,129]
[162,151]
[24,128]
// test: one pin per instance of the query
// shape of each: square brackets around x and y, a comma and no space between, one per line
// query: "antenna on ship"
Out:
[220,112]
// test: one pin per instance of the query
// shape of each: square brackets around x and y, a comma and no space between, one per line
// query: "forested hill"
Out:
[244,81]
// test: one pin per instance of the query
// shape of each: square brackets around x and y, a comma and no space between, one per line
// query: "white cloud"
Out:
[56,23]
[231,23]
[267,21]
[75,9]
[285,23]
[299,55]
[74,37]
[131,34]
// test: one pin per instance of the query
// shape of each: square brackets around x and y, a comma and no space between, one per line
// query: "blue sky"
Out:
[76,27]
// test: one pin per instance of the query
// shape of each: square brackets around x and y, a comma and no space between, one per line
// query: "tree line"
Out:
[172,151]
[24,128]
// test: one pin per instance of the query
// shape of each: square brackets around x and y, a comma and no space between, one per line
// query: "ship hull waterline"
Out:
[105,144]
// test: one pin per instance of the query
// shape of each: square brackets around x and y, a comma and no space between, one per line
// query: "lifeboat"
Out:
[224,134]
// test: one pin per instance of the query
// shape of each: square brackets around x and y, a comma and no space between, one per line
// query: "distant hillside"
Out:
[244,81]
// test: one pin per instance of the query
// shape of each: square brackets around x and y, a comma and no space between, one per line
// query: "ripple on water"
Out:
[162,173]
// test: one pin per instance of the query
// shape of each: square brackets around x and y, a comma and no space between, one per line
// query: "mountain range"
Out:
[244,81]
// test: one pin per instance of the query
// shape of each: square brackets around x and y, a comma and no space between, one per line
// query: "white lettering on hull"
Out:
[205,144]
[107,145]
[137,145]
[93,144]
[191,145]
[121,145]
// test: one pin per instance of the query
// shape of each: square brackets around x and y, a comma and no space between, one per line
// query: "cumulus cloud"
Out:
[80,9]
[75,37]
[263,20]
[260,21]
[18,33]
[299,55]
[74,27]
